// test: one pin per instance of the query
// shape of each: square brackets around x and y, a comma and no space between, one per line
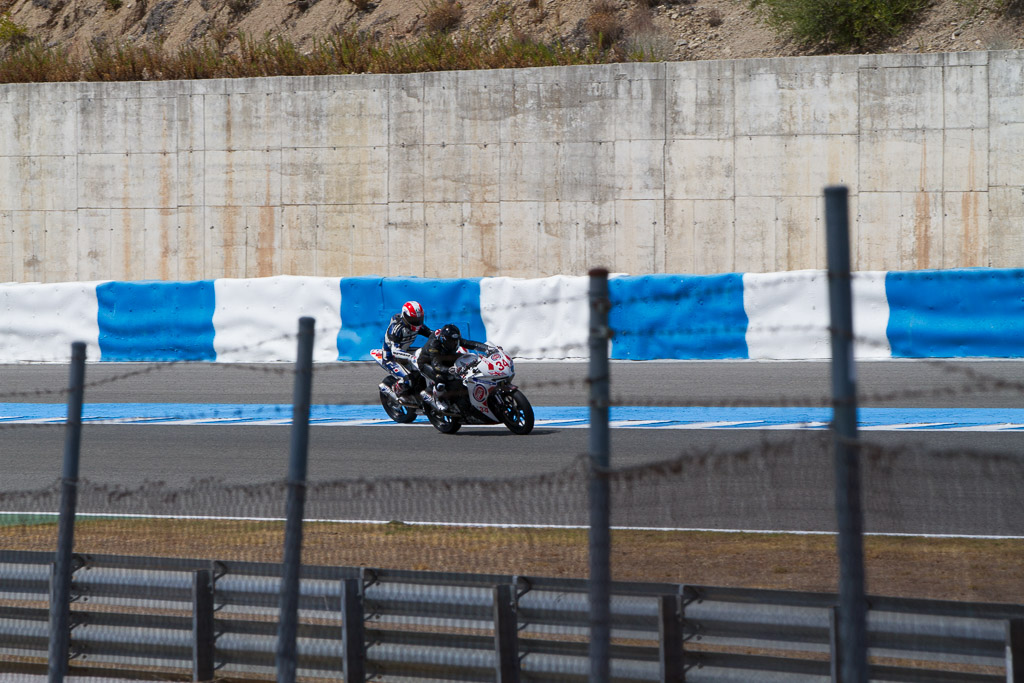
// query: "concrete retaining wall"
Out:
[702,167]
[955,313]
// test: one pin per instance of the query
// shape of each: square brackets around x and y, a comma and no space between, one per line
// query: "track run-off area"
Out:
[178,423]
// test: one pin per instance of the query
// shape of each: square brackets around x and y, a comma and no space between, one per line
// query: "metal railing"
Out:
[202,618]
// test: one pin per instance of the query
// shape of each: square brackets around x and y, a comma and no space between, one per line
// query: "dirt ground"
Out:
[984,570]
[677,30]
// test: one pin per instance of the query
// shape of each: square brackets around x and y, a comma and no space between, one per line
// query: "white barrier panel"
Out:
[544,318]
[257,320]
[789,315]
[38,322]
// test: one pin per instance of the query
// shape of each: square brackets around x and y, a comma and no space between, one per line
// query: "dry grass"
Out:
[442,15]
[984,570]
[603,24]
[339,53]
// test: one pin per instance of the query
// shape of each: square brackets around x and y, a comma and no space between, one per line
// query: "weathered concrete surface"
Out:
[698,167]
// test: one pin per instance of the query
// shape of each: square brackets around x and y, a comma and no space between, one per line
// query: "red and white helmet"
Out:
[412,314]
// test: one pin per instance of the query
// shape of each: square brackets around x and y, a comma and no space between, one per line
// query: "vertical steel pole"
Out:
[835,654]
[203,636]
[506,634]
[1015,651]
[852,635]
[671,659]
[353,631]
[288,626]
[60,598]
[600,503]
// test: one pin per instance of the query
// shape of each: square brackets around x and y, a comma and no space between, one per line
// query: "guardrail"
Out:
[202,618]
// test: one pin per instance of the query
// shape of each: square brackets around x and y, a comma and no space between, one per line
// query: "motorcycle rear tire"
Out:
[446,424]
[517,413]
[396,411]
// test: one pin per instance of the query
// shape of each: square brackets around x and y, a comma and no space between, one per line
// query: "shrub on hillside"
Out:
[11,33]
[603,24]
[840,23]
[442,15]
[239,7]
[1014,8]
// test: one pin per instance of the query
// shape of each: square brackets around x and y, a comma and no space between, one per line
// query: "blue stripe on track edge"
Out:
[743,418]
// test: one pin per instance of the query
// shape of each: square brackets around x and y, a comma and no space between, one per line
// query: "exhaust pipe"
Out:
[386,389]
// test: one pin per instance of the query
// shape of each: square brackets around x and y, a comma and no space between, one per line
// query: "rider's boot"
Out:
[402,391]
[440,391]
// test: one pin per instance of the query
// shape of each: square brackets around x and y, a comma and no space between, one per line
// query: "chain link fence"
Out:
[943,521]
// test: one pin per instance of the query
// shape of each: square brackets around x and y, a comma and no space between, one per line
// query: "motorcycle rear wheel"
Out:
[517,413]
[396,411]
[446,424]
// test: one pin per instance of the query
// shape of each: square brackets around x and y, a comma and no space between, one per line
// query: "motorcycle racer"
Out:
[401,333]
[436,361]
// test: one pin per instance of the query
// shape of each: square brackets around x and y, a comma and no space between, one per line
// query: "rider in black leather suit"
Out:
[437,358]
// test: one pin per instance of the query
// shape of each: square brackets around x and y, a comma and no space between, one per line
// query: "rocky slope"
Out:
[673,29]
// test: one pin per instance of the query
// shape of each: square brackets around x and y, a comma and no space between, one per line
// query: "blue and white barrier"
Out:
[935,313]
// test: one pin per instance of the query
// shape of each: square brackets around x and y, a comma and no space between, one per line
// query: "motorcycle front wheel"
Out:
[446,424]
[516,413]
[396,411]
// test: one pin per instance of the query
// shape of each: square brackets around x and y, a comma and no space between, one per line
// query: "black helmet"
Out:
[450,338]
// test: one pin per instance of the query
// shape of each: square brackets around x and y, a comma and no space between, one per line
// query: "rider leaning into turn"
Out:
[402,332]
[437,358]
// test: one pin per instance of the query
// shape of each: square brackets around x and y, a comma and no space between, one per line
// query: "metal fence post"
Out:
[202,625]
[287,634]
[1015,651]
[506,634]
[852,626]
[60,592]
[835,658]
[670,639]
[600,503]
[353,631]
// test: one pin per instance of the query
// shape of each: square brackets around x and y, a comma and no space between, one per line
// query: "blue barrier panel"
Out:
[156,321]
[367,305]
[363,318]
[956,313]
[444,301]
[678,316]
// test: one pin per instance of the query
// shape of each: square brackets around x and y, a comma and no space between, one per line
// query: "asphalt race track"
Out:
[926,481]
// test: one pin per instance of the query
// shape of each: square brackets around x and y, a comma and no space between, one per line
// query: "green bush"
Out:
[603,24]
[840,23]
[12,33]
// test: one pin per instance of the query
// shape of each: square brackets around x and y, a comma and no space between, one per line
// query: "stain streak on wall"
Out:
[690,167]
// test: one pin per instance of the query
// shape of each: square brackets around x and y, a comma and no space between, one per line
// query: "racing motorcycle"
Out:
[480,393]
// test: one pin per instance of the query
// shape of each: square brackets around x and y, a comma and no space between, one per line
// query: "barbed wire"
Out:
[150,367]
[877,456]
[975,381]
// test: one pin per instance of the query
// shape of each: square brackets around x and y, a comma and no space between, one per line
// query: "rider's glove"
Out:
[454,372]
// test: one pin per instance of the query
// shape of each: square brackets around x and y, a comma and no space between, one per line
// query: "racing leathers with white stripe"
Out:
[397,357]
